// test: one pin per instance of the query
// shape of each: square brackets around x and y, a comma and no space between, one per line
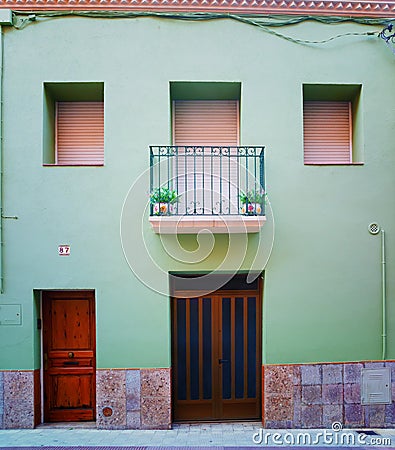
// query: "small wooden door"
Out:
[69,356]
[217,356]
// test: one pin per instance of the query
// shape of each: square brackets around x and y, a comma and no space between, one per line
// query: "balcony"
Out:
[219,188]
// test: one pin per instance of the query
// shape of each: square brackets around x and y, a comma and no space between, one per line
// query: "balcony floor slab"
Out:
[215,224]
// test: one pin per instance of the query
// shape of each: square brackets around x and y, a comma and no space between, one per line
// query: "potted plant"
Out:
[163,200]
[252,202]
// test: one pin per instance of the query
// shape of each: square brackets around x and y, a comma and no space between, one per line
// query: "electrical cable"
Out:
[22,19]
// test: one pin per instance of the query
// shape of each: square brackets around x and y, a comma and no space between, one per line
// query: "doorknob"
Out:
[71,355]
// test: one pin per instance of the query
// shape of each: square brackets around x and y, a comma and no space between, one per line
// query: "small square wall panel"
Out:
[10,315]
[376,386]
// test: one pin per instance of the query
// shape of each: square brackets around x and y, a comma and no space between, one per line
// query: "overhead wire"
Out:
[21,19]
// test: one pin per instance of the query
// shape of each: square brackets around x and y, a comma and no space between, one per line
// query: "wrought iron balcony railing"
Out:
[207,180]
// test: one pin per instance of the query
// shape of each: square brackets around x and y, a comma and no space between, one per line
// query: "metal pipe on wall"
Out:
[384,296]
[1,163]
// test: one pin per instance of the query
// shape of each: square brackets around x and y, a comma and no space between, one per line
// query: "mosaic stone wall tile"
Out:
[1,393]
[155,399]
[311,374]
[332,373]
[111,399]
[312,395]
[352,393]
[374,416]
[155,413]
[332,394]
[297,395]
[1,400]
[373,365]
[353,415]
[133,420]
[311,416]
[297,416]
[280,424]
[155,382]
[18,399]
[391,364]
[389,415]
[331,414]
[279,380]
[352,373]
[278,407]
[133,390]
[297,375]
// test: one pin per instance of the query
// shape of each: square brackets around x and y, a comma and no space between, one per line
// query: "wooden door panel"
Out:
[70,322]
[240,355]
[193,365]
[69,356]
[216,351]
[71,391]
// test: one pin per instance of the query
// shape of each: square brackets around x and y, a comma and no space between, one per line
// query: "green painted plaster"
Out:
[322,282]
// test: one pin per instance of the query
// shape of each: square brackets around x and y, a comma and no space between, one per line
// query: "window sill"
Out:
[73,165]
[215,224]
[335,164]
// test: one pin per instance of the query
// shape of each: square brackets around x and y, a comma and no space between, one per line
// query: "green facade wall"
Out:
[322,288]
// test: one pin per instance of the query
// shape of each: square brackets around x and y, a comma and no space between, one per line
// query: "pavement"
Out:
[184,436]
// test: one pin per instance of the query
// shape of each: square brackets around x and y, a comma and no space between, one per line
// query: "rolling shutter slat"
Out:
[206,122]
[327,132]
[80,133]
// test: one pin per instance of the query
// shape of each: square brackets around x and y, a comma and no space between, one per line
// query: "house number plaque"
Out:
[64,250]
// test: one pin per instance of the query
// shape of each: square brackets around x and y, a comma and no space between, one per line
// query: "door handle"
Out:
[220,361]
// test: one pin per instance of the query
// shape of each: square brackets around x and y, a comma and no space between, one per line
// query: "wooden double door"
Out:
[69,356]
[216,356]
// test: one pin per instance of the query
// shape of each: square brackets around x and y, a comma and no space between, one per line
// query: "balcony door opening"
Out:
[206,135]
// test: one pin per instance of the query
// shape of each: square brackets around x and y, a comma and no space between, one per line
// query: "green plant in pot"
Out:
[163,200]
[252,202]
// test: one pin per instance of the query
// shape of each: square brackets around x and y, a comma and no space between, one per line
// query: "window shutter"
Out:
[206,122]
[327,132]
[80,133]
[206,187]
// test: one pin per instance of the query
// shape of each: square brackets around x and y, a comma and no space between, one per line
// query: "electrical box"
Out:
[10,314]
[376,386]
[5,17]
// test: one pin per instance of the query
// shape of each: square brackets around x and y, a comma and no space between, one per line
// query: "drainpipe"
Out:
[374,228]
[1,162]
[5,19]
[384,296]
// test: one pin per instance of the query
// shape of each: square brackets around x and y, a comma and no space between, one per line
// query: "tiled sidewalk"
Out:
[194,435]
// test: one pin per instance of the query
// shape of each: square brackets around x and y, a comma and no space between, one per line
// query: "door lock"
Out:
[220,361]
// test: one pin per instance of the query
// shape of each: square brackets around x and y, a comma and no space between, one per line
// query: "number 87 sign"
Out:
[64,250]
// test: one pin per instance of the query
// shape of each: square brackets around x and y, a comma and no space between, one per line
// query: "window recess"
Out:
[73,124]
[332,125]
